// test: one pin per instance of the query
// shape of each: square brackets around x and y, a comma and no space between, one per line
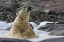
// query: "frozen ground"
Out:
[42,34]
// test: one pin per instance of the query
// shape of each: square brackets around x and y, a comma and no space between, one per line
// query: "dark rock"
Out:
[1,13]
[12,40]
[5,0]
[37,14]
[48,27]
[37,22]
[58,32]
[7,16]
[25,4]
[60,23]
[8,13]
[52,26]
[31,26]
[16,1]
[6,7]
[52,12]
[61,39]
[8,28]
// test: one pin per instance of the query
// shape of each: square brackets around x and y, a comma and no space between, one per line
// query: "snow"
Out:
[33,24]
[4,24]
[3,32]
[47,10]
[42,34]
[42,24]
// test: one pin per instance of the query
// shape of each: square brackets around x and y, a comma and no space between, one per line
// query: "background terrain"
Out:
[42,10]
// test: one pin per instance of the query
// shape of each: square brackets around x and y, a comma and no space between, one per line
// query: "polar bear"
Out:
[21,28]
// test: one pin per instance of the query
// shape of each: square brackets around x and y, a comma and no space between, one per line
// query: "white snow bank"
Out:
[3,32]
[43,24]
[33,24]
[4,24]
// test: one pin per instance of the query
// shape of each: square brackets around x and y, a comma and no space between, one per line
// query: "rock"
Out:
[13,40]
[6,7]
[52,26]
[37,22]
[34,16]
[31,26]
[60,23]
[5,0]
[37,14]
[1,13]
[25,4]
[16,1]
[42,28]
[8,28]
[58,32]
[8,13]
[48,27]
[7,16]
[60,39]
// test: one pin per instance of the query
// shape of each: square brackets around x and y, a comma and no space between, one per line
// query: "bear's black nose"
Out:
[28,8]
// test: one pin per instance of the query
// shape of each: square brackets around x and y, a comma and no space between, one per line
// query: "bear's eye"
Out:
[24,9]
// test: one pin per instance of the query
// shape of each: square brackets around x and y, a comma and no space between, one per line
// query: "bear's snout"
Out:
[28,8]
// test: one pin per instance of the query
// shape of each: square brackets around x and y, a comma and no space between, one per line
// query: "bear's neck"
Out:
[20,23]
[19,19]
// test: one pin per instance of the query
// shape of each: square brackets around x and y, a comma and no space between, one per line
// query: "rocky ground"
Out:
[39,12]
[56,28]
[53,40]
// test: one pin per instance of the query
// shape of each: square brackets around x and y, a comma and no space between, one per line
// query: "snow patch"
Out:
[47,10]
[4,24]
[42,24]
[33,24]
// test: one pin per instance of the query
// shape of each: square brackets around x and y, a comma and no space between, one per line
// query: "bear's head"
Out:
[24,12]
